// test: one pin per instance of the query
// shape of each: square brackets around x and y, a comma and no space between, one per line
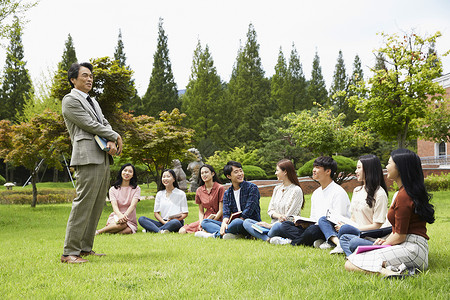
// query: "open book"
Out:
[299,220]
[102,143]
[362,249]
[234,216]
[260,229]
[336,218]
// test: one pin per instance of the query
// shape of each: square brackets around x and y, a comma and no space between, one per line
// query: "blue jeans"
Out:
[272,232]
[213,226]
[155,226]
[327,228]
[350,240]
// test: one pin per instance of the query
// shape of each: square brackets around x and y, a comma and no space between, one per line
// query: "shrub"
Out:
[250,172]
[2,180]
[438,182]
[45,196]
[221,158]
[345,167]
[190,196]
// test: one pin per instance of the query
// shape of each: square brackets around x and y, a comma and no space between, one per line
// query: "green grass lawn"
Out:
[182,266]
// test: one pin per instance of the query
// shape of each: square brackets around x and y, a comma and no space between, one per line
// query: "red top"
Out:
[403,218]
[210,201]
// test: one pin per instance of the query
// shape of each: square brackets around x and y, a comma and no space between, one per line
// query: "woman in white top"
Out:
[368,207]
[287,200]
[170,206]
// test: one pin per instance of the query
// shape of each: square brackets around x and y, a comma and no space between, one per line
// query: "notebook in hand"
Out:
[297,220]
[260,229]
[102,143]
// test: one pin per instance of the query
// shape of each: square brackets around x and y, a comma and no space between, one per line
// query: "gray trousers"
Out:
[92,187]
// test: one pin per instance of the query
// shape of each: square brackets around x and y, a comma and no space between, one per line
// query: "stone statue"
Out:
[181,176]
[194,168]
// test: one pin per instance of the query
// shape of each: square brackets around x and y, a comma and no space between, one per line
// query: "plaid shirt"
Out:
[248,198]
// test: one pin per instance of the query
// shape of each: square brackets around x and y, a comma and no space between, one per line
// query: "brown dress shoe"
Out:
[85,253]
[72,259]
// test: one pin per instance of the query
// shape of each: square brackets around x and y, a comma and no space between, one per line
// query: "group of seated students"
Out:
[235,212]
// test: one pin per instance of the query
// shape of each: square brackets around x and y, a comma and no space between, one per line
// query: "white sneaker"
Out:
[278,240]
[318,242]
[203,234]
[337,250]
[144,231]
[325,245]
[231,236]
[164,231]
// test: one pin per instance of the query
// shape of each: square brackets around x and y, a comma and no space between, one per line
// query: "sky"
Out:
[325,26]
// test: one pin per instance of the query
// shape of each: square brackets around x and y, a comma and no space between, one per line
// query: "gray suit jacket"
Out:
[82,123]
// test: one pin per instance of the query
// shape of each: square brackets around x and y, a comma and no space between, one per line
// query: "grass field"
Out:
[157,266]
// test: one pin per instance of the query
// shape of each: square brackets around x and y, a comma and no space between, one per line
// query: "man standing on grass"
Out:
[84,119]
[242,196]
[329,195]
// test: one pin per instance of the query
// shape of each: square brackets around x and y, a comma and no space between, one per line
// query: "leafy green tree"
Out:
[249,93]
[339,86]
[435,125]
[278,86]
[380,62]
[16,86]
[201,102]
[162,91]
[44,137]
[324,133]
[296,85]
[155,143]
[317,90]
[119,55]
[240,154]
[345,167]
[60,86]
[10,8]
[397,97]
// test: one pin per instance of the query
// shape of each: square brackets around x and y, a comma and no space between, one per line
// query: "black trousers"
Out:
[299,235]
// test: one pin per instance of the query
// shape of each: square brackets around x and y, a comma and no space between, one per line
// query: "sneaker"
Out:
[278,240]
[164,231]
[144,231]
[325,245]
[337,250]
[203,234]
[232,236]
[318,242]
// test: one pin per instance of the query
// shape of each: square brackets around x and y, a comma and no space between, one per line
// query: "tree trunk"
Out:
[55,175]
[7,172]
[33,183]
[401,136]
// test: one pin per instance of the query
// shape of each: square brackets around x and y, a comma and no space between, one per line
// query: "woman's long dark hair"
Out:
[175,183]
[133,180]
[200,181]
[288,166]
[373,177]
[411,173]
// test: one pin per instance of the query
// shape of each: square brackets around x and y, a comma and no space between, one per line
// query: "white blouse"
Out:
[286,200]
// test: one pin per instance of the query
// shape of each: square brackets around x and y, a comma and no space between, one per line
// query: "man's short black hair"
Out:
[229,167]
[327,163]
[75,68]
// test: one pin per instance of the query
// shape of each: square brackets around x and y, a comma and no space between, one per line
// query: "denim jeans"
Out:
[327,228]
[155,226]
[298,234]
[350,240]
[213,226]
[263,236]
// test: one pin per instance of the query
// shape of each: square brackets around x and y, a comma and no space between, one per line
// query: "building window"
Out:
[441,150]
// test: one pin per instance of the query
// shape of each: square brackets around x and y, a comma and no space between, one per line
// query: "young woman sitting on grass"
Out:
[287,200]
[209,197]
[368,207]
[408,215]
[170,206]
[124,195]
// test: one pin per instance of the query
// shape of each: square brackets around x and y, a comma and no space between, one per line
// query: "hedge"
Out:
[45,196]
[437,182]
[344,164]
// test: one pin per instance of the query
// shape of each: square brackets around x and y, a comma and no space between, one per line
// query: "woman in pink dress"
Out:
[124,195]
[209,197]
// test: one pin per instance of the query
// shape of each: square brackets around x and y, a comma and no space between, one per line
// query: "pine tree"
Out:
[16,85]
[162,91]
[354,81]
[278,86]
[338,88]
[249,93]
[61,86]
[119,55]
[317,90]
[380,63]
[201,102]
[296,85]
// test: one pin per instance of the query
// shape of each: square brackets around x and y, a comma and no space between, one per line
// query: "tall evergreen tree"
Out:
[162,91]
[61,86]
[16,86]
[278,86]
[354,81]
[317,90]
[249,93]
[119,55]
[380,63]
[296,85]
[201,102]
[338,88]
